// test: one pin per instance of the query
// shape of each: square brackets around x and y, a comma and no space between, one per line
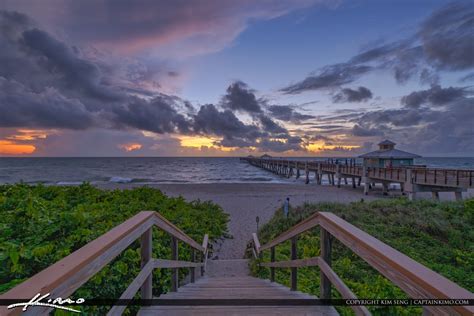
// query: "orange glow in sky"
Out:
[202,141]
[29,134]
[130,146]
[10,148]
[321,146]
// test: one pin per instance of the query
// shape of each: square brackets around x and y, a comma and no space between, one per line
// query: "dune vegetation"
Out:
[40,225]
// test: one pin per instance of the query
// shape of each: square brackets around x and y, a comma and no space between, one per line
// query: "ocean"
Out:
[63,171]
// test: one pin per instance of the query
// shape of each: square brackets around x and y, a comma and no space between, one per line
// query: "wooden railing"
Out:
[65,276]
[462,178]
[414,279]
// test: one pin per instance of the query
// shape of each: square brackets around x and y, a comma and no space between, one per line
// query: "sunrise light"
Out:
[8,147]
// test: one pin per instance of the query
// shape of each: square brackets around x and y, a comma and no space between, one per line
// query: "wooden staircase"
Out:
[229,280]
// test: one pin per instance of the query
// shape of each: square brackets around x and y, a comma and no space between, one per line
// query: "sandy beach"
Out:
[243,202]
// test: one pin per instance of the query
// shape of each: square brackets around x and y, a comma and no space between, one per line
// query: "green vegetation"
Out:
[439,235]
[41,224]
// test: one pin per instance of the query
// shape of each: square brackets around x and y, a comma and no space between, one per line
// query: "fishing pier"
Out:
[412,179]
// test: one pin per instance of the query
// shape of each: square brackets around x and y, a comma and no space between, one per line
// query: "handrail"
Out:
[64,277]
[455,178]
[413,278]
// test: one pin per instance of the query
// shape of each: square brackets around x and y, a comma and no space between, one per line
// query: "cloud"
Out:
[240,98]
[332,76]
[209,120]
[443,41]
[436,96]
[22,107]
[447,36]
[361,94]
[171,28]
[358,130]
[157,115]
[443,127]
[270,126]
[287,113]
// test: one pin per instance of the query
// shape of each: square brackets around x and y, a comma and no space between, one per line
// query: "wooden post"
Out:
[193,269]
[294,270]
[203,257]
[325,285]
[306,170]
[146,255]
[174,271]
[272,269]
[458,195]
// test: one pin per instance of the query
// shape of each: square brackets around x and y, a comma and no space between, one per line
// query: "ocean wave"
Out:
[69,182]
[120,180]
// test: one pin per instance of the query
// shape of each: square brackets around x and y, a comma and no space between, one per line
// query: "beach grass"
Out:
[42,224]
[439,235]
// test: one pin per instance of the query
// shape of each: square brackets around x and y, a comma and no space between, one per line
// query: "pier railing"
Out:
[65,276]
[416,280]
[437,177]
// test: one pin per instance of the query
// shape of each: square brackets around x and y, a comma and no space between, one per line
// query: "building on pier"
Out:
[387,156]
[265,156]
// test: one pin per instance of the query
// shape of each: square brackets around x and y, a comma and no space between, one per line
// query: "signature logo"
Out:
[57,303]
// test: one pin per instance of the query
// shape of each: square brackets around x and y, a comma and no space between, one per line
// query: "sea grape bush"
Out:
[439,235]
[40,225]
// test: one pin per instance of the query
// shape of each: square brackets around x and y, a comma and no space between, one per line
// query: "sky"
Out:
[232,78]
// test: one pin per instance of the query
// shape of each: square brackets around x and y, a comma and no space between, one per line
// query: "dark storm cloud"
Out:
[46,83]
[240,97]
[332,76]
[287,113]
[444,41]
[270,126]
[448,36]
[361,94]
[209,120]
[445,126]
[157,115]
[435,96]
[21,107]
[53,86]
[468,77]
[60,60]
[358,130]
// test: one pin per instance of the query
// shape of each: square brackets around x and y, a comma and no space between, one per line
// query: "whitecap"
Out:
[120,180]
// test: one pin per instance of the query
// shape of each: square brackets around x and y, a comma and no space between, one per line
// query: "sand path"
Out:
[243,202]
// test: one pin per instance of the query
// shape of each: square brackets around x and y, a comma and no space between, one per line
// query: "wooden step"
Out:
[225,281]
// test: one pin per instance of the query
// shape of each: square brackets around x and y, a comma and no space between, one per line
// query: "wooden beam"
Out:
[256,243]
[171,229]
[341,287]
[325,284]
[192,269]
[132,289]
[145,258]
[205,241]
[272,269]
[299,228]
[174,257]
[294,270]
